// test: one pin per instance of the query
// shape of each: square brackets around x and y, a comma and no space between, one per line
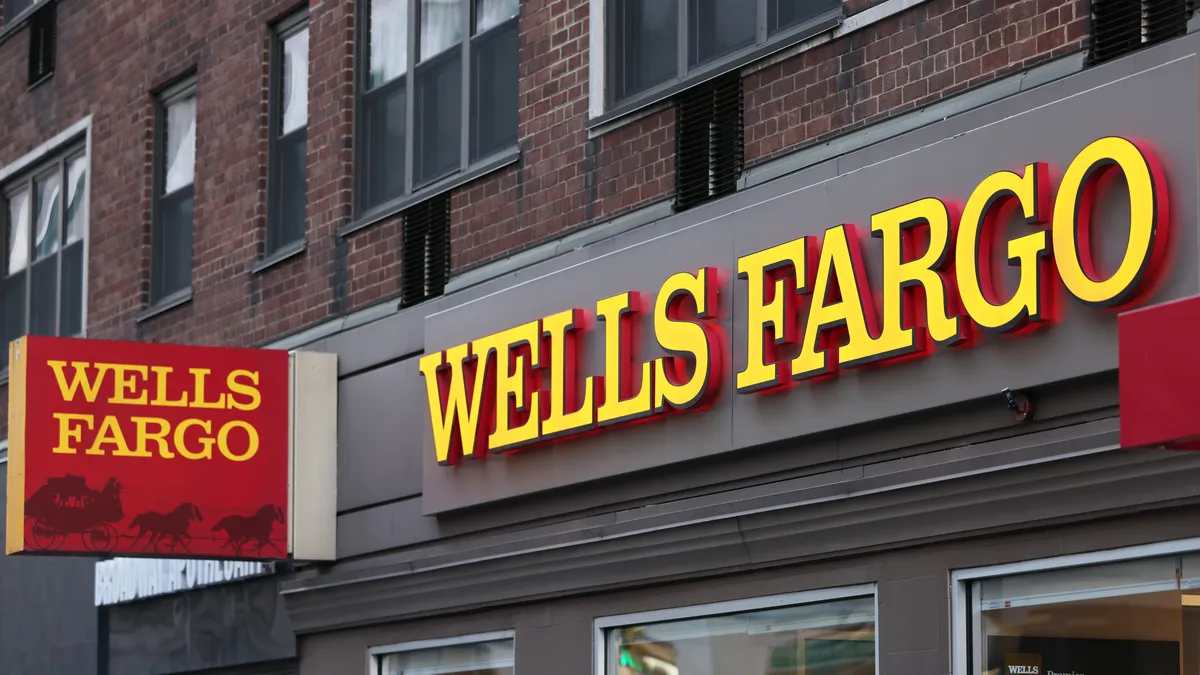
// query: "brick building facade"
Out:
[111,59]
[549,138]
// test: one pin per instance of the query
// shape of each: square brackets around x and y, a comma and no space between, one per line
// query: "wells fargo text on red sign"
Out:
[153,449]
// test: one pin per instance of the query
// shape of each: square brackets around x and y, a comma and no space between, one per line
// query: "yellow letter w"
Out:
[456,422]
[80,380]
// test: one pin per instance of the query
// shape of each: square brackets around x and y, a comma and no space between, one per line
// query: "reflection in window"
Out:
[288,171]
[642,44]
[389,40]
[474,658]
[181,144]
[492,13]
[70,315]
[829,638]
[643,38]
[1139,617]
[171,257]
[76,181]
[42,286]
[18,231]
[784,14]
[719,27]
[454,107]
[295,81]
[438,128]
[441,26]
[47,216]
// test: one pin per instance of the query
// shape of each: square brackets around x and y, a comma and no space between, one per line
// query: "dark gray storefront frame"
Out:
[901,503]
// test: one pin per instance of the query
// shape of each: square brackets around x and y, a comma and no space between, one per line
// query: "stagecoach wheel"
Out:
[46,539]
[102,539]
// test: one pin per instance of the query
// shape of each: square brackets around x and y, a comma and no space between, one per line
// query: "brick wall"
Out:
[934,50]
[113,54]
[567,181]
[111,57]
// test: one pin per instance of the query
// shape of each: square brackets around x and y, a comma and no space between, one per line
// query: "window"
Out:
[817,633]
[490,654]
[1123,26]
[174,196]
[652,46]
[15,8]
[1137,616]
[434,104]
[46,225]
[43,37]
[288,169]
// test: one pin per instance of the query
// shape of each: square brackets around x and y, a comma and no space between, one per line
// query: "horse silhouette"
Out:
[256,528]
[160,526]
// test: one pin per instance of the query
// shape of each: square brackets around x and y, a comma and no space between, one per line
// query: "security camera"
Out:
[1019,403]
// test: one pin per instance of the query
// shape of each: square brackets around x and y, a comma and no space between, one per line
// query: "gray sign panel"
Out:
[946,160]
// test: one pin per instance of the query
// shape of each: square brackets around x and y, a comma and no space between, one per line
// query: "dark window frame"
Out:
[43,43]
[468,168]
[688,75]
[278,243]
[159,298]
[55,163]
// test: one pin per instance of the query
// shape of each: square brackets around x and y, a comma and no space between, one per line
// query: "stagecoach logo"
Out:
[147,449]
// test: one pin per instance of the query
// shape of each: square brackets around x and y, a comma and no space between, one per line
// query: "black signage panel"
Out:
[1008,655]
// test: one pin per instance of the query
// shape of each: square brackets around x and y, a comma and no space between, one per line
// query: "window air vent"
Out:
[1123,26]
[426,243]
[708,141]
[43,28]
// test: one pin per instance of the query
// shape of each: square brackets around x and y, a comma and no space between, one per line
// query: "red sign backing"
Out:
[142,448]
[1159,365]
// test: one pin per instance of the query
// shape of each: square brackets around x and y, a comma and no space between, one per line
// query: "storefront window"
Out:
[480,655]
[834,637]
[1135,617]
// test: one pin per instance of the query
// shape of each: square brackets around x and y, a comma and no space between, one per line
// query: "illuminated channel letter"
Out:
[457,428]
[686,341]
[565,413]
[513,354]
[621,401]
[840,273]
[973,257]
[774,276]
[1149,219]
[903,273]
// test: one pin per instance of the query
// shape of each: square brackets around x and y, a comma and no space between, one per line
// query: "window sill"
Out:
[165,305]
[18,22]
[38,82]
[280,255]
[615,116]
[391,208]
